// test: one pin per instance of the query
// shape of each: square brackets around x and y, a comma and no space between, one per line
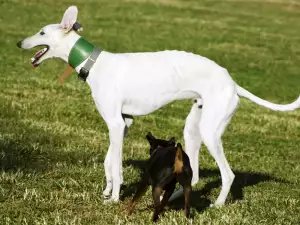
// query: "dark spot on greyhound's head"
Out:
[199,106]
[77,27]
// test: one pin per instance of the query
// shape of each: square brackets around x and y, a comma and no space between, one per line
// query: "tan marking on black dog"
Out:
[178,164]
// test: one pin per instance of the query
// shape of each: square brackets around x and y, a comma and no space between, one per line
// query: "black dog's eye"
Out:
[42,32]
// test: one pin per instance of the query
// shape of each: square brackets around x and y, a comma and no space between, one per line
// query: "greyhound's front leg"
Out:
[108,174]
[128,119]
[116,130]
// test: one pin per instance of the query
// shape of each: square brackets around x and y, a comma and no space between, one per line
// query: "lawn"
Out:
[53,141]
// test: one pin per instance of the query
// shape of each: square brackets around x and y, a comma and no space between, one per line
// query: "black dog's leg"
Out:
[142,188]
[187,194]
[156,192]
[168,192]
[184,180]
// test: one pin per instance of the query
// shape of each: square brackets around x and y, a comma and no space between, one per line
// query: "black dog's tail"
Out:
[178,164]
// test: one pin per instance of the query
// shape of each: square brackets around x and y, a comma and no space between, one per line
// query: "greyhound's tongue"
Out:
[38,54]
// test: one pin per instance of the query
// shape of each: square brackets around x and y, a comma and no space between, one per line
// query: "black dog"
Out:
[167,166]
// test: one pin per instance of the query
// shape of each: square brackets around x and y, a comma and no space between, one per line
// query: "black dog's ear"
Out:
[179,146]
[150,137]
[172,141]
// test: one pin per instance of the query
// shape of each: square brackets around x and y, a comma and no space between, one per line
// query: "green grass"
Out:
[53,141]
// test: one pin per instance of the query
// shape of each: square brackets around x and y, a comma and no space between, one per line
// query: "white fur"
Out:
[69,18]
[140,83]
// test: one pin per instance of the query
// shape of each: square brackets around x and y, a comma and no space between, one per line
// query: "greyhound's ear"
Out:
[69,18]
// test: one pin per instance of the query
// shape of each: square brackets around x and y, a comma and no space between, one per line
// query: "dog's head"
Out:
[156,143]
[56,39]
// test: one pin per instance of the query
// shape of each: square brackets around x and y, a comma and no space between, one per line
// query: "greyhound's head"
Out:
[56,40]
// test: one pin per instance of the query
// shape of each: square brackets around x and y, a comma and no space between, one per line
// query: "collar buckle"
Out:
[83,74]
[85,70]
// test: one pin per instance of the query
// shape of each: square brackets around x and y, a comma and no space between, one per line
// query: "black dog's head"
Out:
[155,143]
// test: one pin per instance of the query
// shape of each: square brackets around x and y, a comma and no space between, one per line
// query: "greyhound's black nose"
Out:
[19,44]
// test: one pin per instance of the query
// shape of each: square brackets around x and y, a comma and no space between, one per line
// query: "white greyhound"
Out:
[140,83]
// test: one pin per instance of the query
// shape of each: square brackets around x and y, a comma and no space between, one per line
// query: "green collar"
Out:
[80,52]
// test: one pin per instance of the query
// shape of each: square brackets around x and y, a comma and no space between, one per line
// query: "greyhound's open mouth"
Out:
[38,55]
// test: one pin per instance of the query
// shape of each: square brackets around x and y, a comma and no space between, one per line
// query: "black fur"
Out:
[161,174]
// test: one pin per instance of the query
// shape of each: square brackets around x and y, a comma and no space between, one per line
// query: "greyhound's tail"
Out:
[178,164]
[276,107]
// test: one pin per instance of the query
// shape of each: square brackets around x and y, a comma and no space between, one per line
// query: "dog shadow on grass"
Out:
[199,200]
[40,154]
[18,156]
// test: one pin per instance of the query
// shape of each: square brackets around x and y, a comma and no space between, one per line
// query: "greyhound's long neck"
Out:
[73,37]
[77,51]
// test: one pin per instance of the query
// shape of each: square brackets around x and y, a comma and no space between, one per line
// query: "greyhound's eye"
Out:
[42,32]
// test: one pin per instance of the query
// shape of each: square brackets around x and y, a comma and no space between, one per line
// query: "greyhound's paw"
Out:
[194,182]
[106,197]
[110,201]
[216,205]
[106,193]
